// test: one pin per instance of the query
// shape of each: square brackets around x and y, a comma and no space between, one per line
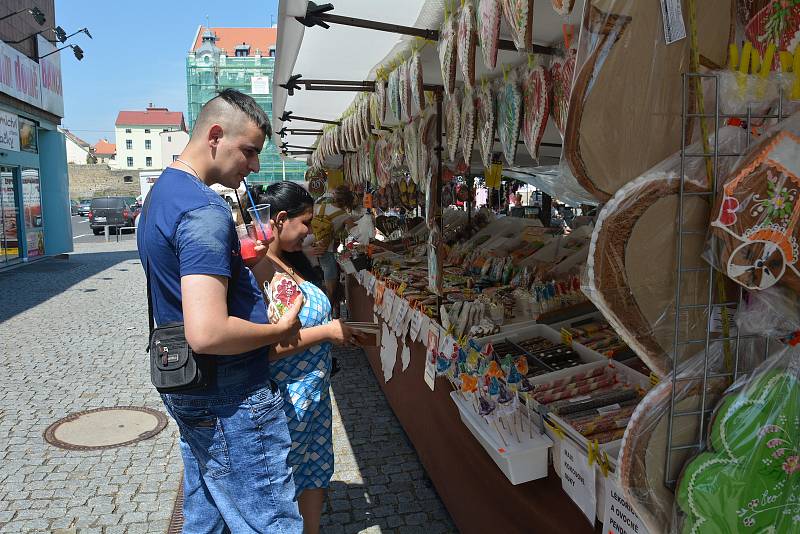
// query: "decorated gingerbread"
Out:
[756,218]
[749,479]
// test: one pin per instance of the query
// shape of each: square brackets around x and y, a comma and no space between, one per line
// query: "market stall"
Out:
[552,372]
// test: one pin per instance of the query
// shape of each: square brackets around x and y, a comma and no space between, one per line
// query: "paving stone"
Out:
[90,360]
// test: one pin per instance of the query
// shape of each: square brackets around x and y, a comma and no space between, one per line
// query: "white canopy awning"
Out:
[351,53]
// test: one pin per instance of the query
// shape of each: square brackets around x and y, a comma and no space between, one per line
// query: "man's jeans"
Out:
[234,449]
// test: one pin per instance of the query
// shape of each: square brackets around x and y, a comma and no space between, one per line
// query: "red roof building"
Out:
[104,148]
[231,40]
[151,117]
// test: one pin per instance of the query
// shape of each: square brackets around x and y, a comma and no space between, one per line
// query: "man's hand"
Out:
[318,250]
[290,323]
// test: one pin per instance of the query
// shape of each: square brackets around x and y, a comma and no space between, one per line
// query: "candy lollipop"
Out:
[469,384]
[514,378]
[472,360]
[494,386]
[507,362]
[443,364]
[485,406]
[487,351]
[522,365]
[482,367]
[495,370]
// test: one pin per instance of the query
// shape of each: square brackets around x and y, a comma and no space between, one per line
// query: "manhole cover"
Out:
[105,428]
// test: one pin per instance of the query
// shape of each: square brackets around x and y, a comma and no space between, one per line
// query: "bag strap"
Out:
[150,314]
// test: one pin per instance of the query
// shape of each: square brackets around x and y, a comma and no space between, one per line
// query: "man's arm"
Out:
[263,271]
[336,331]
[209,328]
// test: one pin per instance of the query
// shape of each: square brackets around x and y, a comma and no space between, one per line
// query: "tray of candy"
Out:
[593,404]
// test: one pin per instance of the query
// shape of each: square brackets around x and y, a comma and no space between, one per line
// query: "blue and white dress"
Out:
[304,380]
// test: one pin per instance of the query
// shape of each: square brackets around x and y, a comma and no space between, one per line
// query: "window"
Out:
[127,130]
[147,144]
[175,157]
[127,179]
[130,161]
[129,144]
[169,139]
[147,130]
[148,161]
[165,130]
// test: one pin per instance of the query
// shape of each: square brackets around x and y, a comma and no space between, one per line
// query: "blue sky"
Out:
[138,54]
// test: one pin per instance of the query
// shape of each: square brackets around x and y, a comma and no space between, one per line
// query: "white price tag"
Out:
[416,324]
[619,517]
[426,324]
[430,355]
[400,311]
[348,266]
[577,479]
[388,302]
[672,15]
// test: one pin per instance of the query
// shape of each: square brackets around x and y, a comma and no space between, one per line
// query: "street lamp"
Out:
[37,14]
[77,50]
[61,35]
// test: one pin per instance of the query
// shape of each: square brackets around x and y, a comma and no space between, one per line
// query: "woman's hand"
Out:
[341,334]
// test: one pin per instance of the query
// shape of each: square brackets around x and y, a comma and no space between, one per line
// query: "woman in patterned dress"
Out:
[302,366]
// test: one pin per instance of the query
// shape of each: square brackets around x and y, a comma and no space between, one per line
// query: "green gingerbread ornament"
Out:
[749,479]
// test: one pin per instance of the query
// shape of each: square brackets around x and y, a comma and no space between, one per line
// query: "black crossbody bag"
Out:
[174,366]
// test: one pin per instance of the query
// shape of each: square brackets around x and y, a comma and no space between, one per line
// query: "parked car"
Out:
[74,207]
[84,207]
[116,212]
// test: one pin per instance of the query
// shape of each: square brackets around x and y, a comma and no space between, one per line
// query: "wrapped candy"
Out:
[469,384]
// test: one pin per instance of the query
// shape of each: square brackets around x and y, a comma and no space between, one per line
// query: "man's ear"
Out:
[214,135]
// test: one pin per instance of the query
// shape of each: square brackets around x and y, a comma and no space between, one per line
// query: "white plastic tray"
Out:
[521,461]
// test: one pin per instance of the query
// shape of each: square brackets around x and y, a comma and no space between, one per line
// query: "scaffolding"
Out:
[207,75]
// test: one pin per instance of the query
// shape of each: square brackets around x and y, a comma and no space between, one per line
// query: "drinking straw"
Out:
[255,211]
[239,203]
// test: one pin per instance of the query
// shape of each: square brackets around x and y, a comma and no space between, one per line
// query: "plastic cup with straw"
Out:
[263,233]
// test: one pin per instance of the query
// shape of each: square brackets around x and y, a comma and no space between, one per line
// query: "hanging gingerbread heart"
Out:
[509,104]
[405,91]
[488,18]
[486,123]
[453,124]
[467,42]
[380,99]
[519,16]
[393,94]
[468,124]
[447,53]
[365,122]
[417,84]
[411,139]
[563,7]
[536,107]
[562,70]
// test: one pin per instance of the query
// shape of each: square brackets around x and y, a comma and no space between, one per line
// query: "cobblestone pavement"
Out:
[71,339]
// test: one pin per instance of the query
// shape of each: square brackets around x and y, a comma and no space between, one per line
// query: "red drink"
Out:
[260,234]
[248,247]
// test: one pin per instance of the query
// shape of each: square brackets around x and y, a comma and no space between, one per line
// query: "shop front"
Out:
[34,201]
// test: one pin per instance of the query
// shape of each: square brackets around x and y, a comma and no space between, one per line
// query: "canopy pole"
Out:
[319,16]
[437,189]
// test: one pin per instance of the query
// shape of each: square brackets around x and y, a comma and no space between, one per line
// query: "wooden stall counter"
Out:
[477,494]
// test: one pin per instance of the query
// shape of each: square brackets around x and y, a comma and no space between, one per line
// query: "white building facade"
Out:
[138,135]
[172,144]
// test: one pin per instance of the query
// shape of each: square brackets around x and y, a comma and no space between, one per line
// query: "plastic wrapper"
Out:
[631,271]
[642,457]
[748,477]
[754,228]
[773,312]
[555,180]
[509,115]
[625,104]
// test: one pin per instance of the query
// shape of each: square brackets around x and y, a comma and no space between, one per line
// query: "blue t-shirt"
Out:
[186,228]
